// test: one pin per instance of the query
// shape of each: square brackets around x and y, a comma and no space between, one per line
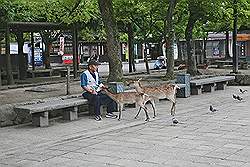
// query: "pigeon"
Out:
[237,97]
[243,91]
[175,121]
[212,109]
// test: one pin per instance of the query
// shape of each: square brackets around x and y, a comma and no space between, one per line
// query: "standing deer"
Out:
[129,98]
[163,91]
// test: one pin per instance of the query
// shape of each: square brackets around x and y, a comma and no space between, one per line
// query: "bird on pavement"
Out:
[237,97]
[243,91]
[175,121]
[212,109]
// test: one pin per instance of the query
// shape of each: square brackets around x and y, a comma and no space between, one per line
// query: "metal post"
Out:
[33,54]
[68,79]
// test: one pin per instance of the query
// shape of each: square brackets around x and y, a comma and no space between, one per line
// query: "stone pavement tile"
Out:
[9,160]
[64,147]
[244,152]
[227,150]
[7,165]
[49,152]
[63,162]
[219,161]
[129,162]
[219,155]
[239,158]
[198,152]
[131,156]
[181,163]
[246,165]
[99,152]
[34,157]
[127,144]
[234,136]
[89,157]
[215,161]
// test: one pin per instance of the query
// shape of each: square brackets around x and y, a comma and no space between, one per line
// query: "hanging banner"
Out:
[61,46]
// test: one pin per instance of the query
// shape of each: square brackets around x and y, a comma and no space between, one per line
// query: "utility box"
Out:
[116,87]
[184,80]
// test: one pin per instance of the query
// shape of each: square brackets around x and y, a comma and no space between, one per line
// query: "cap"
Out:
[93,62]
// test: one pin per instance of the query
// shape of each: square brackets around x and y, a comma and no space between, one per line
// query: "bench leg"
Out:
[221,85]
[209,88]
[70,115]
[196,90]
[40,119]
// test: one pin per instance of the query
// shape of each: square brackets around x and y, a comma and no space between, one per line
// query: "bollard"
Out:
[68,79]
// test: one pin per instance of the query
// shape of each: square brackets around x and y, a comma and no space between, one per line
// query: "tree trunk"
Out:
[191,66]
[180,55]
[10,80]
[48,46]
[21,57]
[227,56]
[204,49]
[146,57]
[115,63]
[170,40]
[75,51]
[131,48]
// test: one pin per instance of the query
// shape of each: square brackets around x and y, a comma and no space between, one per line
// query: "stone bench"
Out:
[209,84]
[40,111]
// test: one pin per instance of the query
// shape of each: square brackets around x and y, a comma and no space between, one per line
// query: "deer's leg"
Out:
[145,109]
[138,113]
[146,113]
[152,102]
[175,121]
[120,111]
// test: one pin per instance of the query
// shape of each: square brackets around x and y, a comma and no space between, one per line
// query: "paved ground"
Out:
[202,138]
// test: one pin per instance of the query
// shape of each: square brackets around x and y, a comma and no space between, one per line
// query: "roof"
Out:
[36,26]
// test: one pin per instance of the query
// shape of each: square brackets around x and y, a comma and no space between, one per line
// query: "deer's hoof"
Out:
[175,121]
[136,117]
[147,119]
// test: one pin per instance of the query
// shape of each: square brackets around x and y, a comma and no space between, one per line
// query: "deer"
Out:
[163,91]
[129,98]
